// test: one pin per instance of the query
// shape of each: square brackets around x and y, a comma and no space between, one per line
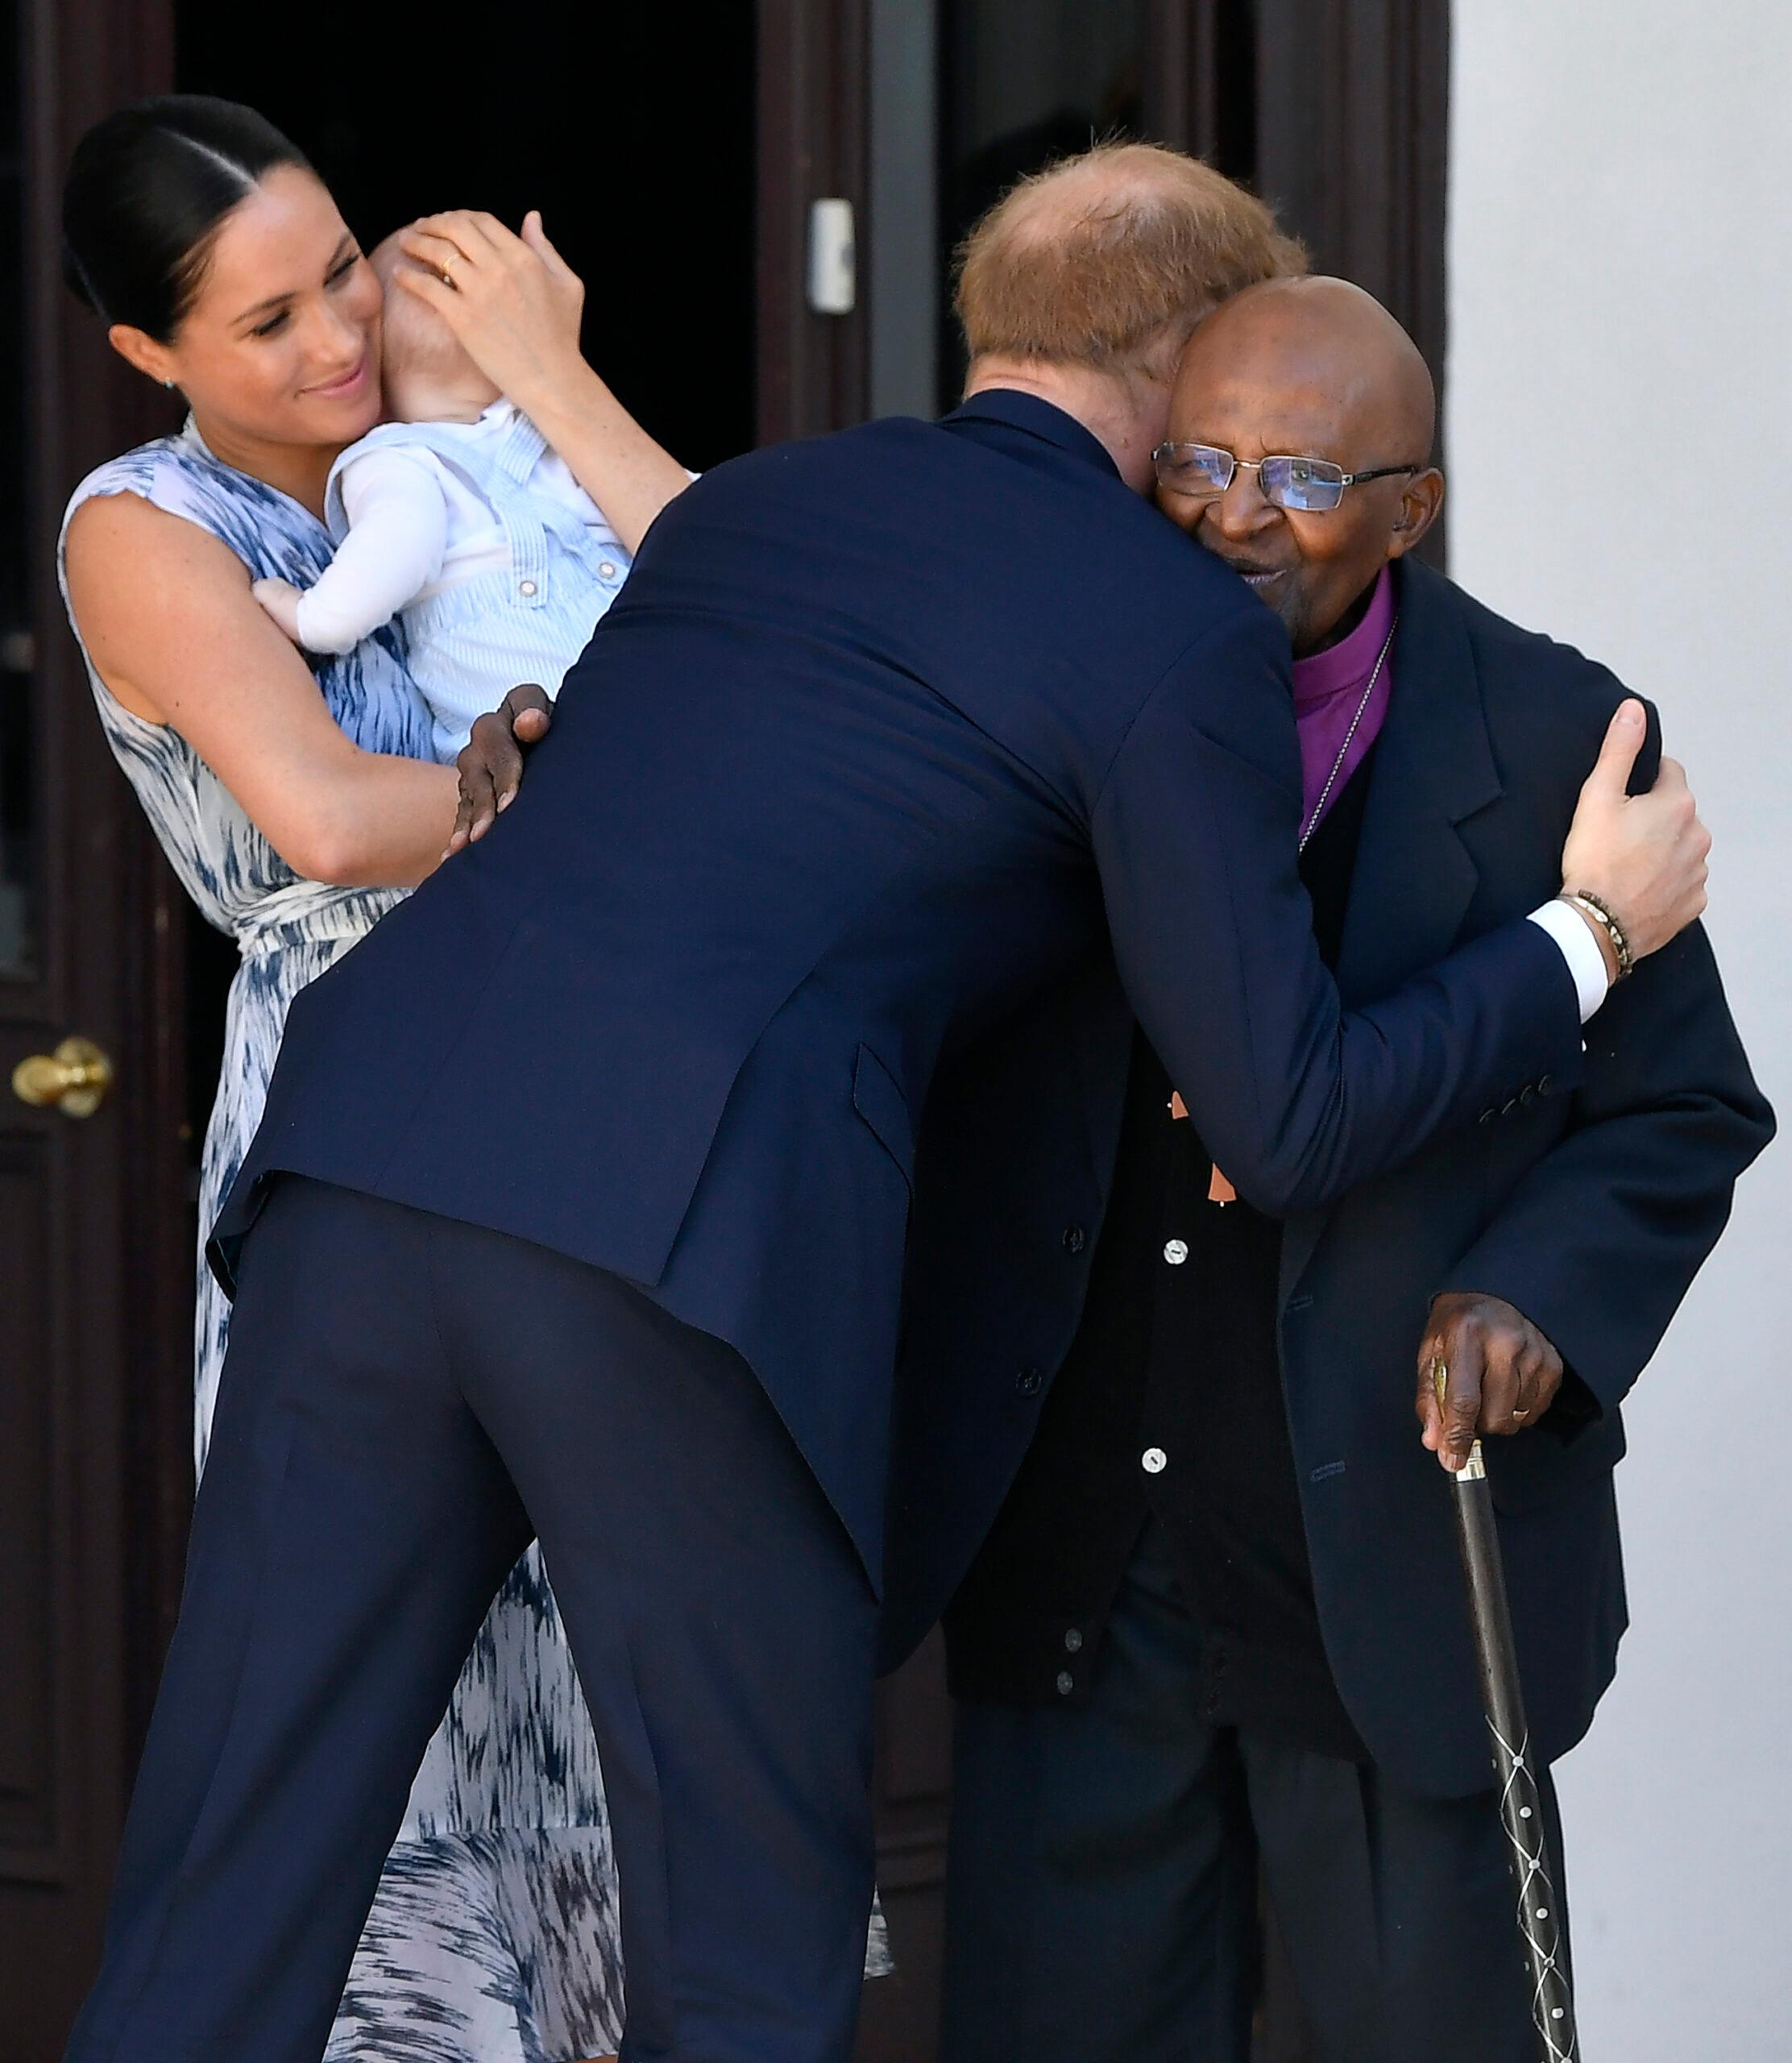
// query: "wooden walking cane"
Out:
[1535,1874]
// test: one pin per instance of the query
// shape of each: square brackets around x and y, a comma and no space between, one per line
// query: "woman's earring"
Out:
[169,384]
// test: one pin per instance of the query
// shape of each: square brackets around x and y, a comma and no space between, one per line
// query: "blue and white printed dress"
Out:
[494,1936]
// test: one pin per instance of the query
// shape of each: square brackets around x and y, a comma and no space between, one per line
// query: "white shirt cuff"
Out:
[1586,962]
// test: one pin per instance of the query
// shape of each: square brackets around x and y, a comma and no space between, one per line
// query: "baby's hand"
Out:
[280,599]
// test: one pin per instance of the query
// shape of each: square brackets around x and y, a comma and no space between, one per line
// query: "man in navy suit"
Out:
[891,735]
[1220,1617]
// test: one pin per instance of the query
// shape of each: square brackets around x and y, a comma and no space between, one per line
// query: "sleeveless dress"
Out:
[494,1936]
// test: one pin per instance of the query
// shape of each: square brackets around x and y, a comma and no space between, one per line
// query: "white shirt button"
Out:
[1175,1252]
[525,587]
[607,570]
[1154,1461]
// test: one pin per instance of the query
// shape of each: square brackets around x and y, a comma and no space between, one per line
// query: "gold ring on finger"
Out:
[447,271]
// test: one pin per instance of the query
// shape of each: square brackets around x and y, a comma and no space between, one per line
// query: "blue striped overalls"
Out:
[476,638]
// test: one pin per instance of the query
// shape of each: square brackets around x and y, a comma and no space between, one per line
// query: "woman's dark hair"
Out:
[147,189]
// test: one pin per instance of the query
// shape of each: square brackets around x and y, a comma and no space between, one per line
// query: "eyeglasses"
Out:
[1309,485]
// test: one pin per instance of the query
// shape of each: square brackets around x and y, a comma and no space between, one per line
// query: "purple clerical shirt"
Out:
[1328,687]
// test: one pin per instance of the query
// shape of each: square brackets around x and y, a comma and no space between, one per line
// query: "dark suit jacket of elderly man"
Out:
[1590,1209]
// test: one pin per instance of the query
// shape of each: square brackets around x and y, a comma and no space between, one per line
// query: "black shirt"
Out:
[1169,1408]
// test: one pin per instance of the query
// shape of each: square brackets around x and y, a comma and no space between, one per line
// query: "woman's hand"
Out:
[513,302]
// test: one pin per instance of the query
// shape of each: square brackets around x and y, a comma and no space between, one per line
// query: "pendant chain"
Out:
[1350,736]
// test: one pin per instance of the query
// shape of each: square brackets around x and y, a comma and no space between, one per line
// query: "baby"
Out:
[456,517]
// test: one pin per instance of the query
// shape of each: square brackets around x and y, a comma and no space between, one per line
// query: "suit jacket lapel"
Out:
[1433,767]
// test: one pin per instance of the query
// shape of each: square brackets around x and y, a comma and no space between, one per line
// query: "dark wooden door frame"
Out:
[1347,135]
[813,144]
[1353,144]
[93,56]
[103,1387]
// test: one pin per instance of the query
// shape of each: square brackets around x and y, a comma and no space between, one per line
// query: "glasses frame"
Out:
[1165,450]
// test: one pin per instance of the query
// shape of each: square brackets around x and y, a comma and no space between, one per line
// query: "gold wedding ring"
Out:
[448,272]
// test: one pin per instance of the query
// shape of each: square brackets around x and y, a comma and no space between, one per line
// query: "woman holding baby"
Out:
[298,798]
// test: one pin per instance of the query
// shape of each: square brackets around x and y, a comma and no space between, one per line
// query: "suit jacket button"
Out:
[1074,1238]
[1528,1095]
[1073,1641]
[1066,1683]
[1488,1115]
[1545,1085]
[1154,1461]
[1029,1382]
[1506,1109]
[1176,1251]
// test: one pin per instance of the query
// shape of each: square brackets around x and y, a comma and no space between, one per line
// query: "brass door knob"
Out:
[75,1077]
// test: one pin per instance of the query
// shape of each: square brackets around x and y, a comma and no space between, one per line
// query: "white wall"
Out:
[1619,444]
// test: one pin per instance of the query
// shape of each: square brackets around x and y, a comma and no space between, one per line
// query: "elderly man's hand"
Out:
[1502,1374]
[491,767]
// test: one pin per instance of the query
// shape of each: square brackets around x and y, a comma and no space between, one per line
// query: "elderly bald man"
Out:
[1220,1621]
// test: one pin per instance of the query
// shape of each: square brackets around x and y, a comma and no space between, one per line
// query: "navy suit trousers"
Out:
[407,1400]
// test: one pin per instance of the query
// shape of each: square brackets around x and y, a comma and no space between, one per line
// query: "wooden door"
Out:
[1335,110]
[94,1380]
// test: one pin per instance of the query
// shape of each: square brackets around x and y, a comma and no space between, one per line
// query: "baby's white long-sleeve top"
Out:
[397,505]
[415,525]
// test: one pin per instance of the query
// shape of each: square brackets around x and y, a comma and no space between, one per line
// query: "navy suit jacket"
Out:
[887,734]
[1589,1208]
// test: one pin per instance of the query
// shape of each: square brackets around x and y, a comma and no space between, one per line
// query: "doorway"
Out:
[640,160]
[633,134]
[677,154]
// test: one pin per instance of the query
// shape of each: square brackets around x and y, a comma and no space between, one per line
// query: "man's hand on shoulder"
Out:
[1643,855]
[491,765]
[1502,1374]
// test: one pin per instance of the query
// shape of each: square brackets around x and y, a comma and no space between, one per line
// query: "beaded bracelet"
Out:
[1584,899]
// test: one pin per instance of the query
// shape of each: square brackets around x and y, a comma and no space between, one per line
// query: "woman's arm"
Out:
[165,610]
[514,305]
